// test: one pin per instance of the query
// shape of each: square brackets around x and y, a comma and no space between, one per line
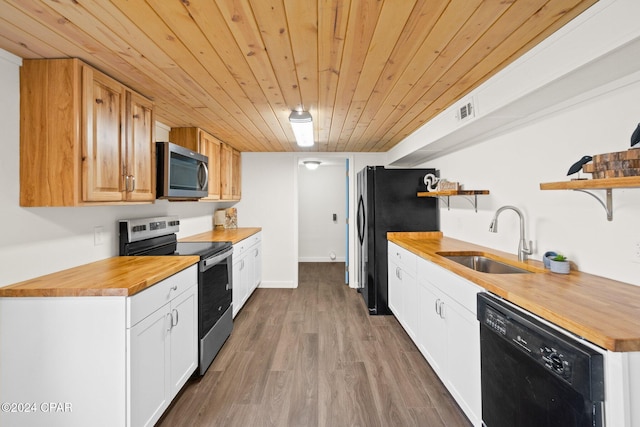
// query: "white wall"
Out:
[38,241]
[513,164]
[270,200]
[322,193]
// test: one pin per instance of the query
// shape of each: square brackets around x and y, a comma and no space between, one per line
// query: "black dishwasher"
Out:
[533,375]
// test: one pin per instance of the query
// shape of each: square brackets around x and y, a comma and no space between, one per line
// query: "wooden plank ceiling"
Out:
[369,71]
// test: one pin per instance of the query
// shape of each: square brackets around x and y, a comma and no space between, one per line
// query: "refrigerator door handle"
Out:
[361,223]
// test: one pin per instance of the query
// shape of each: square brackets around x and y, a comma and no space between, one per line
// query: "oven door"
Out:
[214,290]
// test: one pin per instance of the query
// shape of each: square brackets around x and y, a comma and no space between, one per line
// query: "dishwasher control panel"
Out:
[495,321]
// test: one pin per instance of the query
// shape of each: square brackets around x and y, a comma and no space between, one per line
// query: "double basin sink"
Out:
[483,264]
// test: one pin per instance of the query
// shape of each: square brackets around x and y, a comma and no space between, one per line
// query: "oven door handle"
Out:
[210,262]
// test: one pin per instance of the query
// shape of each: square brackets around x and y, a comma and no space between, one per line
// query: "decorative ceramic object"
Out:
[431,181]
[546,258]
[559,264]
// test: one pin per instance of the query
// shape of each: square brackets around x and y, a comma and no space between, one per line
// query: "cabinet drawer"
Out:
[244,245]
[456,287]
[146,302]
[403,258]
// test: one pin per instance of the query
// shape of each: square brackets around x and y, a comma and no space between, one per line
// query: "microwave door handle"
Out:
[203,166]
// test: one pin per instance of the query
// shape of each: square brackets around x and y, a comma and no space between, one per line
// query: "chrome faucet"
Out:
[523,249]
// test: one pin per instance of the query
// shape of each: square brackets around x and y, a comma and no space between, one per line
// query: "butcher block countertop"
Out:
[603,311]
[117,276]
[233,235]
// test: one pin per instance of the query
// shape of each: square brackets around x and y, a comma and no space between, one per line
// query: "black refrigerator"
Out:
[387,201]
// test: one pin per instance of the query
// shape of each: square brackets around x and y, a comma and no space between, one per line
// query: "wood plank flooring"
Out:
[312,356]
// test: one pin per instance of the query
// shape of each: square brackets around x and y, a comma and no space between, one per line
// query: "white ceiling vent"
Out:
[466,110]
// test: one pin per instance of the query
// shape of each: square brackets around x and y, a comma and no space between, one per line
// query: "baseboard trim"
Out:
[320,259]
[277,285]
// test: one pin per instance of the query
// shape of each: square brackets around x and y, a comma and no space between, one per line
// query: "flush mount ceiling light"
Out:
[311,164]
[302,126]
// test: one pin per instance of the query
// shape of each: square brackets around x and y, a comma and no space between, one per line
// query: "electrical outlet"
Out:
[636,252]
[98,235]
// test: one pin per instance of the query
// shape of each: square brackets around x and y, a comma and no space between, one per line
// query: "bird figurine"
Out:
[635,137]
[577,166]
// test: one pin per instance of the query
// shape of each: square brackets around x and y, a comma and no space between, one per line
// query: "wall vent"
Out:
[466,111]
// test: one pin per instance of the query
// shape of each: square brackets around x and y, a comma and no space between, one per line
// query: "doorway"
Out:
[324,210]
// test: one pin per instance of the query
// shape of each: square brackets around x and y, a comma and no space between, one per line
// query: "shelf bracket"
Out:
[474,201]
[608,207]
[446,201]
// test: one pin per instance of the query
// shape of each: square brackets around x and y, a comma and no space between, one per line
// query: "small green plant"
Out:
[559,258]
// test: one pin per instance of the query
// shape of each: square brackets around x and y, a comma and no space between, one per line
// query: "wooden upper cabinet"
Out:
[226,171]
[140,177]
[84,137]
[210,147]
[236,182]
[230,169]
[204,143]
[102,151]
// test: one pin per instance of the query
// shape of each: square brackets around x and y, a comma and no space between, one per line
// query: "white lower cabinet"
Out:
[163,355]
[246,271]
[432,335]
[438,310]
[111,361]
[403,287]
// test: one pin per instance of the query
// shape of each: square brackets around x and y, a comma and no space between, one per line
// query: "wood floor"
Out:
[312,356]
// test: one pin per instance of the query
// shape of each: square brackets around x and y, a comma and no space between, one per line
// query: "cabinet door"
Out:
[463,359]
[239,277]
[147,372]
[236,180]
[102,157]
[394,291]
[410,303]
[210,147]
[184,338]
[432,337]
[226,171]
[140,152]
[257,265]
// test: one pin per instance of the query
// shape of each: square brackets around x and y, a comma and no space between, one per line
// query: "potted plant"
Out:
[559,264]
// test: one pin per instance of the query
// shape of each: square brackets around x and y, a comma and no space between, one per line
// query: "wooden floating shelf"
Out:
[586,185]
[593,184]
[444,195]
[452,193]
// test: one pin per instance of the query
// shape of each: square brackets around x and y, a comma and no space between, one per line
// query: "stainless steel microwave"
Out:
[182,174]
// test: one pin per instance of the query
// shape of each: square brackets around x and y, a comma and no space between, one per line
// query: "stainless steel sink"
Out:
[484,265]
